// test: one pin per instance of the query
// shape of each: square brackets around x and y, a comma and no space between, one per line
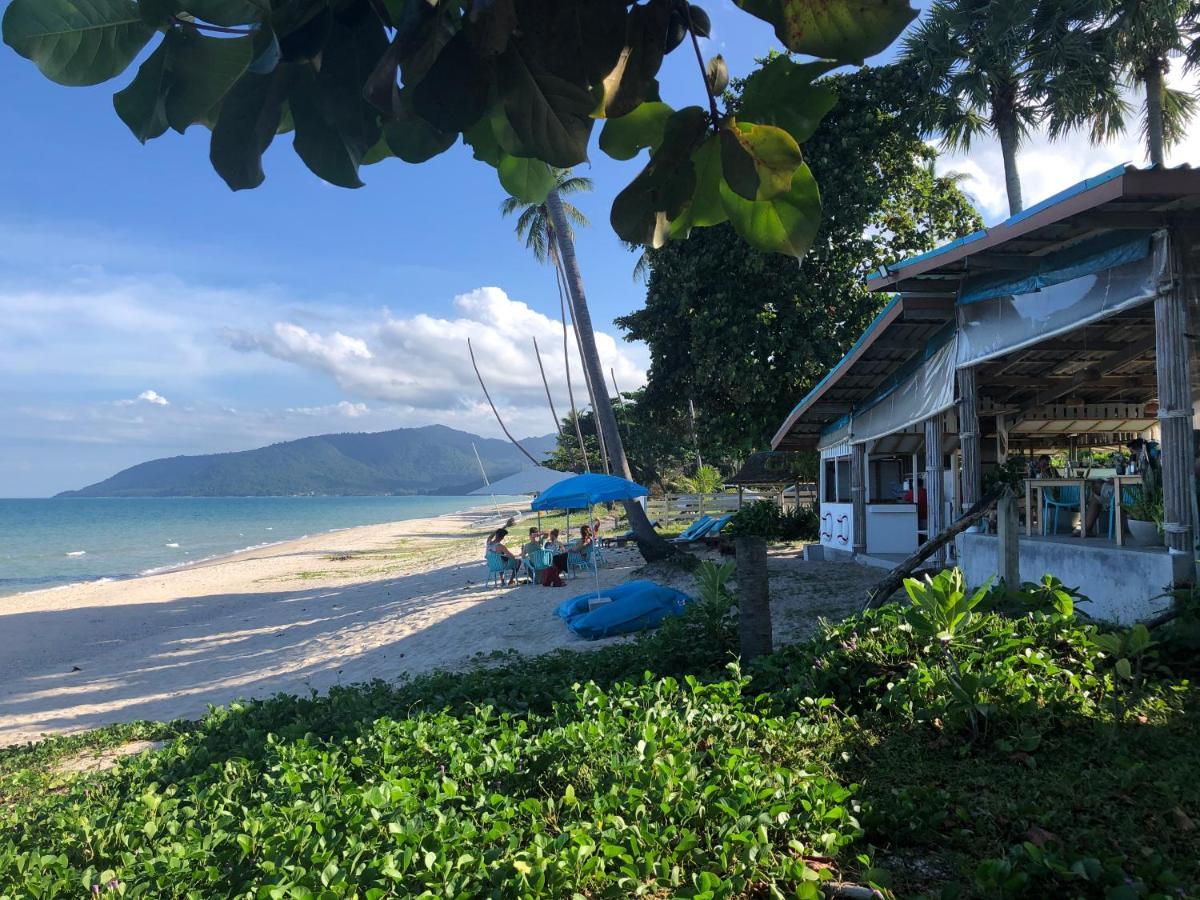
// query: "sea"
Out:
[47,543]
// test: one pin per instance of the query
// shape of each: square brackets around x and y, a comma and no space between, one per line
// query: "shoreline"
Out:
[347,605]
[232,554]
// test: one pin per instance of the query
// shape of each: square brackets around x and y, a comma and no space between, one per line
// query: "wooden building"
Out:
[1071,325]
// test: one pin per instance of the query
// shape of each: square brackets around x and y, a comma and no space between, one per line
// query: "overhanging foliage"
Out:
[523,82]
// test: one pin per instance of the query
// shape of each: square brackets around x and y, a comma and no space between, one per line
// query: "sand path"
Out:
[371,602]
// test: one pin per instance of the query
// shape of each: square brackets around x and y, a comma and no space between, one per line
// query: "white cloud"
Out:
[420,365]
[341,408]
[1048,167]
[153,397]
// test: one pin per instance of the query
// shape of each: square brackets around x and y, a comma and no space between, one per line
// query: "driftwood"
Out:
[503,428]
[895,578]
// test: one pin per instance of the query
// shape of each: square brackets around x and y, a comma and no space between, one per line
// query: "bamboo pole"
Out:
[495,411]
[546,385]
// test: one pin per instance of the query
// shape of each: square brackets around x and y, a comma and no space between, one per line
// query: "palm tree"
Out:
[1144,35]
[650,544]
[533,224]
[978,61]
[548,230]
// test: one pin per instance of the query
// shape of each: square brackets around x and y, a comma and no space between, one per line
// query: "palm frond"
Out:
[1178,109]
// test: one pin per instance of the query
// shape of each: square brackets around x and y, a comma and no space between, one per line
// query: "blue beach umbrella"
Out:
[583,492]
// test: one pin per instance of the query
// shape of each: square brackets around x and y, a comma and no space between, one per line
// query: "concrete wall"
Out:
[1121,582]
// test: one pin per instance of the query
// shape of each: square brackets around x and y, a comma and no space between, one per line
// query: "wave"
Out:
[171,545]
[77,553]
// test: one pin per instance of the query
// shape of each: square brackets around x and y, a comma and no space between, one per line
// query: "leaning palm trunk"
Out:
[562,306]
[591,389]
[650,543]
[1154,115]
[1009,139]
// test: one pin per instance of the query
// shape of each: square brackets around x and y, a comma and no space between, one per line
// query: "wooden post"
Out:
[934,484]
[754,596]
[740,493]
[968,437]
[858,496]
[1009,563]
[1175,406]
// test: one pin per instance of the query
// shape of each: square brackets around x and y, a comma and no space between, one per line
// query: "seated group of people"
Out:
[539,541]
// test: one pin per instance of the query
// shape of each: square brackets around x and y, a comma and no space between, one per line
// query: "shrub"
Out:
[763,518]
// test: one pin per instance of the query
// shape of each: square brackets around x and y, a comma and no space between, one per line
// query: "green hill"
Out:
[430,460]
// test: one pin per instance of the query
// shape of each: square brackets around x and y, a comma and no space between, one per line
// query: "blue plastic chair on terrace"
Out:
[1060,498]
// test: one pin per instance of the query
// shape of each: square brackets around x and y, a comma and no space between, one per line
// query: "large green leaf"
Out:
[202,71]
[846,30]
[632,78]
[227,12]
[758,161]
[642,213]
[143,104]
[322,147]
[577,40]
[529,180]
[76,42]
[784,93]
[550,116]
[706,207]
[625,137]
[350,55]
[454,92]
[251,115]
[787,223]
[411,138]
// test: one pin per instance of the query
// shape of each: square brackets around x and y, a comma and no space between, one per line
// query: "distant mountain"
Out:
[430,460]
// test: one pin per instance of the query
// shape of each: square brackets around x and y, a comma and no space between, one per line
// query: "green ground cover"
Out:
[966,744]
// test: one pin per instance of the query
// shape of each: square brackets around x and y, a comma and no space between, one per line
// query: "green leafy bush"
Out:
[962,745]
[764,519]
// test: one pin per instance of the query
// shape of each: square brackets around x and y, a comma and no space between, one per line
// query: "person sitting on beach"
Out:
[586,539]
[512,564]
[534,544]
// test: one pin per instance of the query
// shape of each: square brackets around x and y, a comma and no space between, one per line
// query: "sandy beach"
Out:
[378,601]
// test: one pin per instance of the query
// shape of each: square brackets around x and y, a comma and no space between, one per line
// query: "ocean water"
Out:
[45,543]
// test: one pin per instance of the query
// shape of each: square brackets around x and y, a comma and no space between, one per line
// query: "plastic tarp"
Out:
[835,438]
[992,327]
[924,392]
[633,606]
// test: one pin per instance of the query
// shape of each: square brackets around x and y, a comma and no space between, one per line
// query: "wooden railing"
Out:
[681,508]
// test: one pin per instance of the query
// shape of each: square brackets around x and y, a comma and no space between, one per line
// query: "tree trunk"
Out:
[651,545]
[1154,114]
[754,596]
[1009,137]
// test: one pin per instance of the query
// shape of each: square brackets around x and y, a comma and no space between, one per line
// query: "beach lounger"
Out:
[695,530]
[715,528]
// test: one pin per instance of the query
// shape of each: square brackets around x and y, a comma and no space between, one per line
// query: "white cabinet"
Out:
[892,528]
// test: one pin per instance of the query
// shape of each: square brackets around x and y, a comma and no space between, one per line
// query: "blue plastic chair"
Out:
[1058,499]
[498,567]
[579,562]
[538,560]
[1129,496]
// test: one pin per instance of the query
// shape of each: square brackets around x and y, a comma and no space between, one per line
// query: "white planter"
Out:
[1143,534]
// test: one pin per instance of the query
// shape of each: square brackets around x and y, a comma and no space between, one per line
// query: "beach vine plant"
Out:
[522,82]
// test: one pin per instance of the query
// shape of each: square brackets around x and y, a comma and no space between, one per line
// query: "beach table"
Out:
[1119,481]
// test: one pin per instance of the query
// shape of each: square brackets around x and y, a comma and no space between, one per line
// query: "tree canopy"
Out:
[523,82]
[745,334]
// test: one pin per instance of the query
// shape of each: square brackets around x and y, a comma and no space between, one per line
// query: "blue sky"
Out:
[149,311]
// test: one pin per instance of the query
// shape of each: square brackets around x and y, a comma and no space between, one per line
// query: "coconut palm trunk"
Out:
[1009,136]
[651,545]
[1154,114]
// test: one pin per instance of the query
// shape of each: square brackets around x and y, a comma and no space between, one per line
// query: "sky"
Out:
[147,311]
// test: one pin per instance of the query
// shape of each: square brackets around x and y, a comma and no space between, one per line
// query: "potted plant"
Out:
[1144,515]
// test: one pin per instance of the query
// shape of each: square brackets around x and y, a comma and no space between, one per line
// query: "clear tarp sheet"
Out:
[928,391]
[835,441]
[1000,325]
